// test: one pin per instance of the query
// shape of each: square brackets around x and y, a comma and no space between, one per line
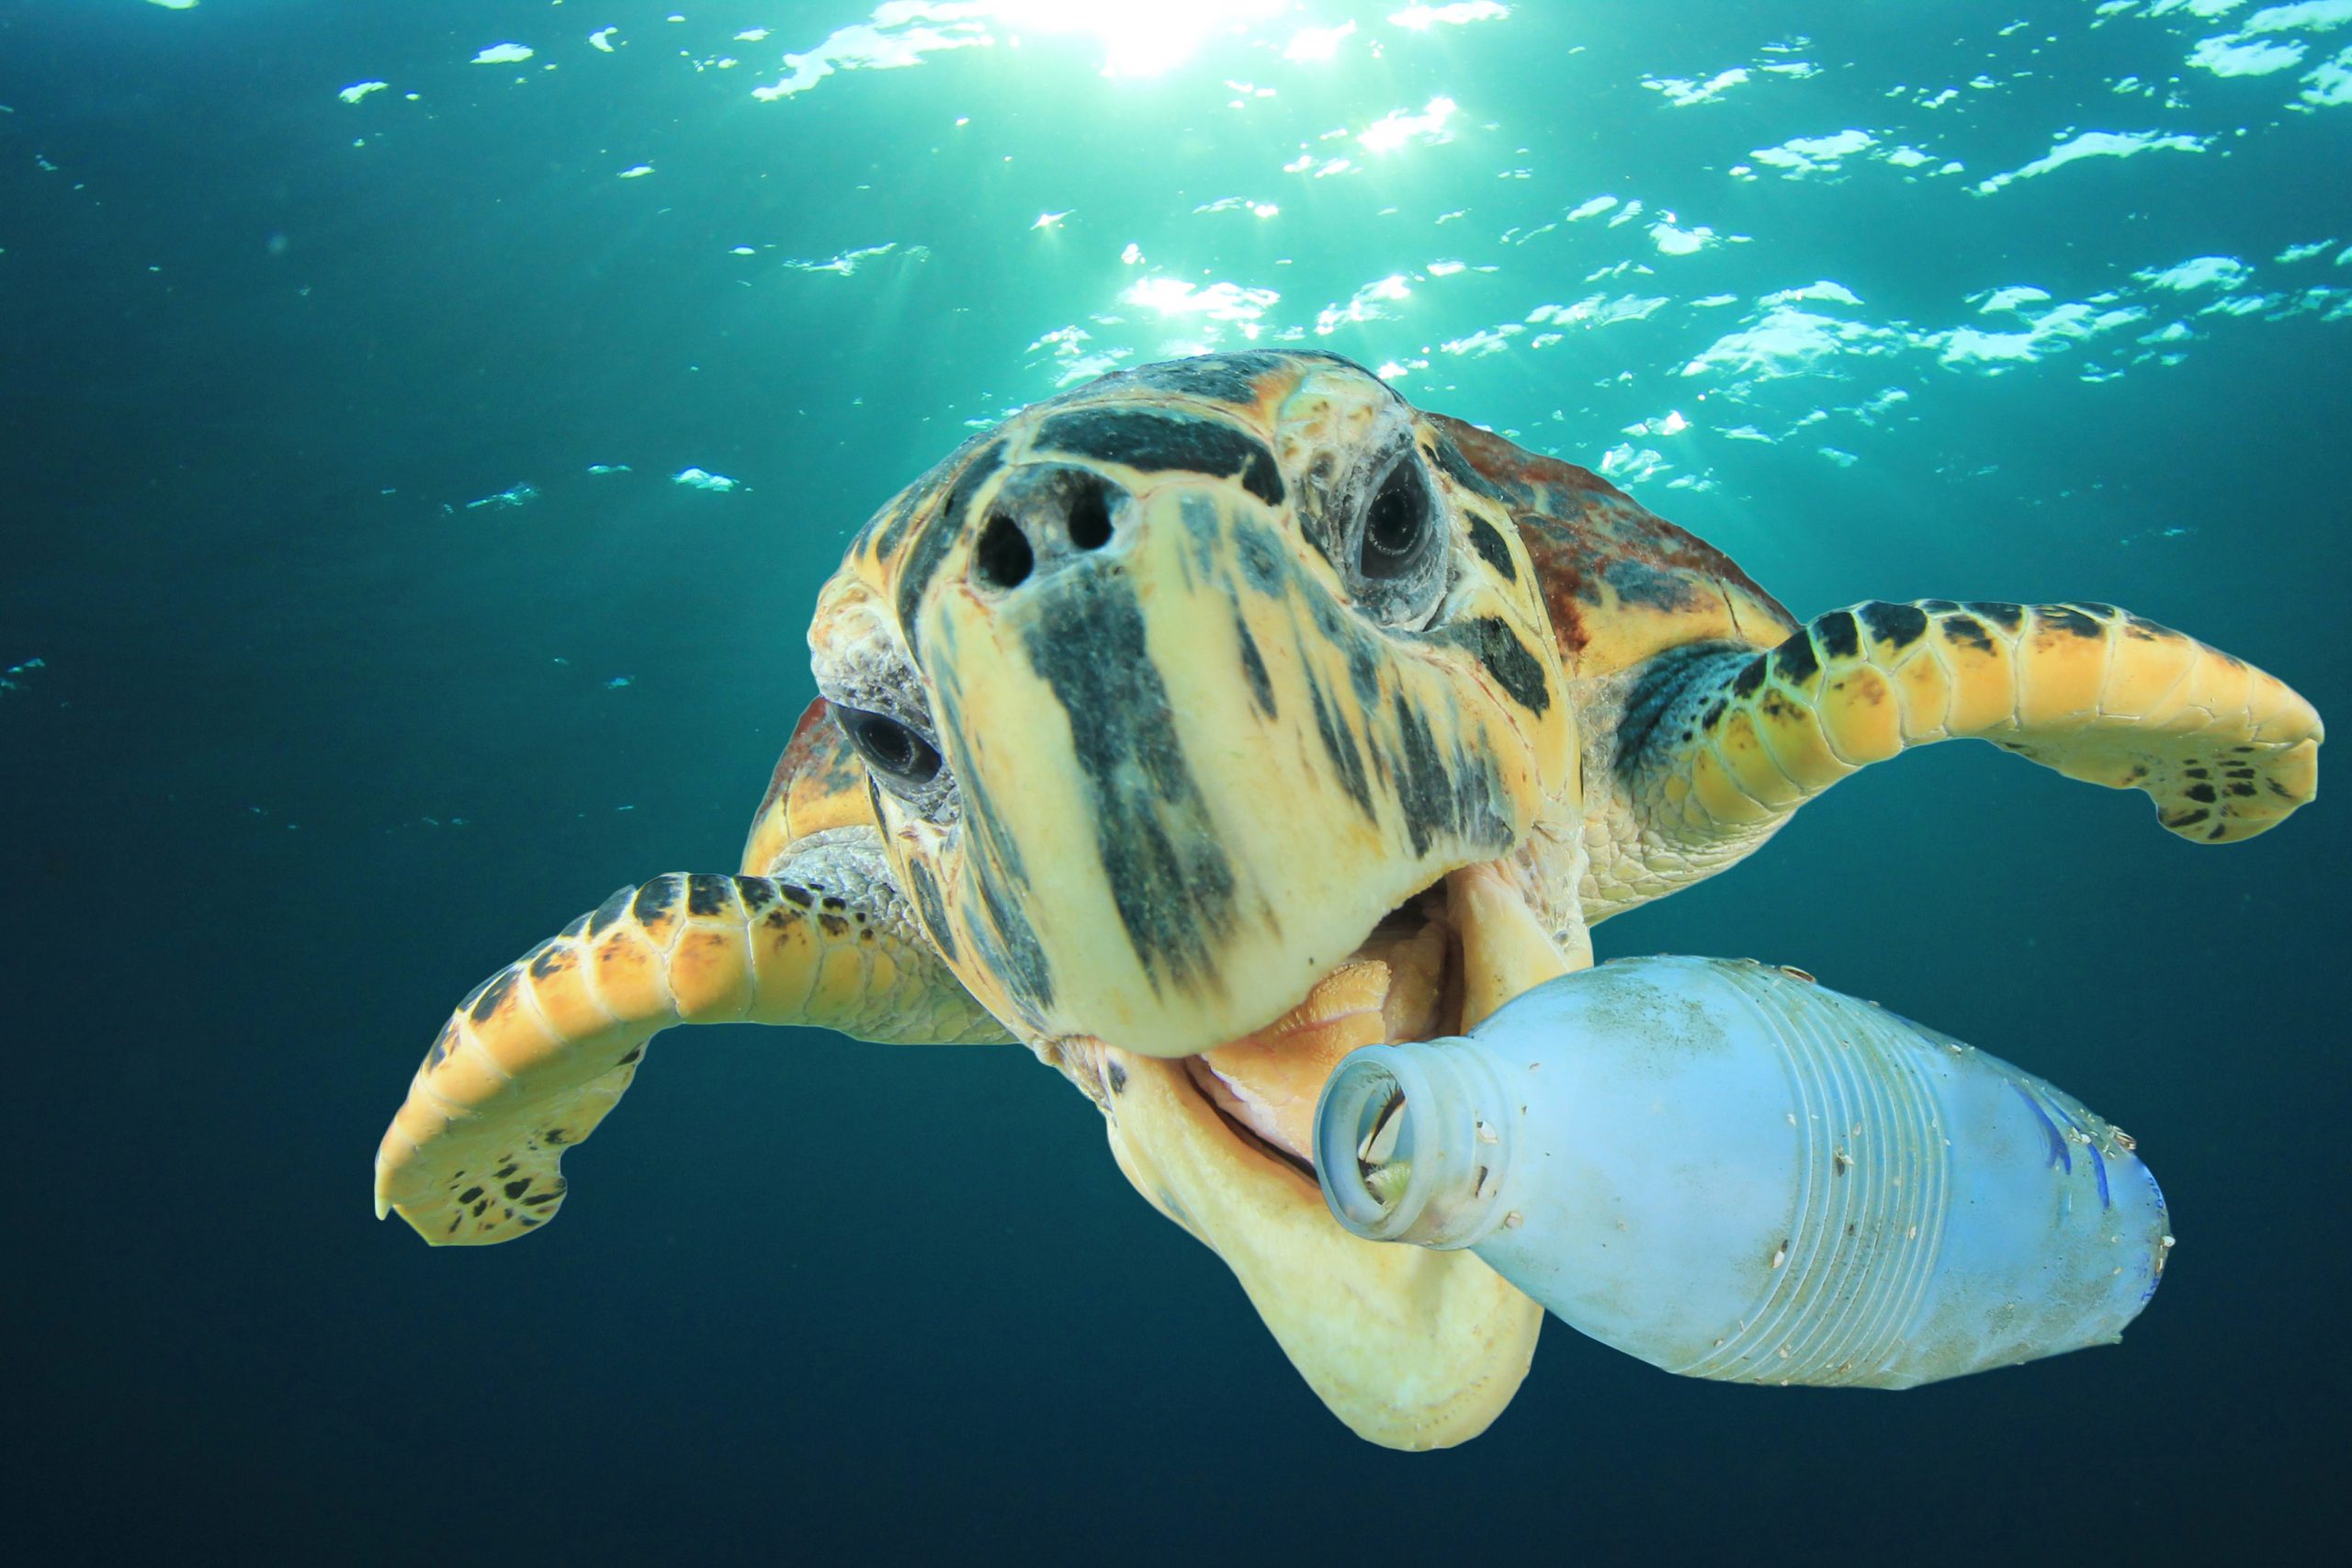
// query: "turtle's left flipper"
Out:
[534,1057]
[1715,744]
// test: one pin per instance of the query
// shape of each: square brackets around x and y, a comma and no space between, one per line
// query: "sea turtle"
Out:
[1202,723]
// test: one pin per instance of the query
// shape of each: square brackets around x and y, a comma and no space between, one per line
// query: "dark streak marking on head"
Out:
[1262,566]
[1160,852]
[989,840]
[1008,948]
[1203,528]
[1456,797]
[1491,549]
[938,536]
[923,492]
[1457,468]
[1340,745]
[1150,441]
[1517,672]
[884,535]
[1423,790]
[1253,665]
[929,909]
[1345,634]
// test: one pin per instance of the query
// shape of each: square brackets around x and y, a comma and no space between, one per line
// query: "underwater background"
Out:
[423,427]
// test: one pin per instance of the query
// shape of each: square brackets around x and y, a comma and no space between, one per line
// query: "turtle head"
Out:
[1172,688]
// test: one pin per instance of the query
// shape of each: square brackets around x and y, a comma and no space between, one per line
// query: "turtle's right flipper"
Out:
[1717,744]
[535,1056]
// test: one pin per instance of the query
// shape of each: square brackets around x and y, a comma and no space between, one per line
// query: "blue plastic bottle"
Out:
[1731,1172]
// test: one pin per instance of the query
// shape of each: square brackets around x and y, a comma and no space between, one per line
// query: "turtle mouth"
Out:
[1434,965]
[1396,1340]
[1403,982]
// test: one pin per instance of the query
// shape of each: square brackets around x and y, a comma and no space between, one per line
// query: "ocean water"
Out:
[424,428]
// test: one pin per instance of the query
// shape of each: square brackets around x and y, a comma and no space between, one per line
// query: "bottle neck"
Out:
[1412,1142]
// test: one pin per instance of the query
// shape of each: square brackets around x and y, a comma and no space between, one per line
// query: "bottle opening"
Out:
[1363,1148]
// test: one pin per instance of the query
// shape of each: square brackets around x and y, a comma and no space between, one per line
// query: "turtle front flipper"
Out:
[533,1058]
[1714,744]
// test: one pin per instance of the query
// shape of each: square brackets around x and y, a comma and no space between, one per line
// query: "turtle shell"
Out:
[1619,581]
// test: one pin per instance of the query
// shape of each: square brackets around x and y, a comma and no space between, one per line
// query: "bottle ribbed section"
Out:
[1873,1190]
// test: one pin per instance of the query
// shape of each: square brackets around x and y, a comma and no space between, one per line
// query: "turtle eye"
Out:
[1396,531]
[889,747]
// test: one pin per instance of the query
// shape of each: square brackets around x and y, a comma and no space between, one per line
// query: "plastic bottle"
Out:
[1732,1172]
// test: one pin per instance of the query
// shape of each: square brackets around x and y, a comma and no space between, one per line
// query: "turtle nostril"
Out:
[1090,517]
[1002,556]
[1043,517]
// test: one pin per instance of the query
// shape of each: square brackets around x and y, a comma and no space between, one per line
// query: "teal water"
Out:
[364,618]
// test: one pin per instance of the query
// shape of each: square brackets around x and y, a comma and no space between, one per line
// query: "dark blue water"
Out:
[304,729]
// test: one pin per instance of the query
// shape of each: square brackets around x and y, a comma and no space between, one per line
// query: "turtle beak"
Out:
[1411,1348]
[1193,776]
[1504,947]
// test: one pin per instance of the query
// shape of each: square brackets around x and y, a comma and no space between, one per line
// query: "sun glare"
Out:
[1139,38]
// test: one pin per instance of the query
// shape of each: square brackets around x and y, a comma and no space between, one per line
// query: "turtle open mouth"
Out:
[1411,1346]
[1403,982]
[1437,962]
